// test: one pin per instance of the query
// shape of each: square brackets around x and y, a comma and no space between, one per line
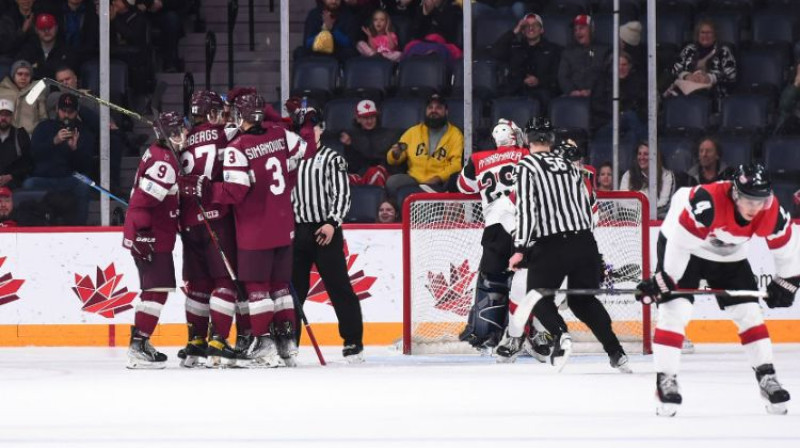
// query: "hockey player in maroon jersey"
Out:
[151,227]
[256,165]
[208,285]
[490,173]
[703,237]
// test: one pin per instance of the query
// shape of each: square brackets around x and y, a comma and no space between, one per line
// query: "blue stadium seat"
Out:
[737,149]
[673,28]
[677,152]
[737,6]
[22,195]
[629,9]
[570,113]
[364,202]
[455,112]
[118,79]
[761,71]
[315,76]
[677,6]
[485,78]
[604,27]
[488,28]
[558,28]
[744,112]
[602,151]
[402,27]
[569,7]
[686,114]
[782,157]
[774,27]
[421,75]
[367,77]
[405,192]
[518,109]
[339,114]
[402,113]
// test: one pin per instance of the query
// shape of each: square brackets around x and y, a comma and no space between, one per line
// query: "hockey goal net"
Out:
[442,248]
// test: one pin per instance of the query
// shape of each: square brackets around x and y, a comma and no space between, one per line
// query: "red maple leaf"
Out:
[361,283]
[8,286]
[103,299]
[456,295]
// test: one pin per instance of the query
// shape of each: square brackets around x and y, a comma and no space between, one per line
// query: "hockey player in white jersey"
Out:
[490,173]
[703,237]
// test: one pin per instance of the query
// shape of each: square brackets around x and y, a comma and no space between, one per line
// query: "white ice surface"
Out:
[84,397]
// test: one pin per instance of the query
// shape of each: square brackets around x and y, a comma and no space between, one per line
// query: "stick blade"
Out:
[35,91]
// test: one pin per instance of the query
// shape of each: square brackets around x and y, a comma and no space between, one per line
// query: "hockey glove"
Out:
[781,292]
[654,288]
[143,245]
[192,185]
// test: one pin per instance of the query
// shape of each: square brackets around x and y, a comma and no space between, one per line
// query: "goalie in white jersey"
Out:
[703,237]
[491,173]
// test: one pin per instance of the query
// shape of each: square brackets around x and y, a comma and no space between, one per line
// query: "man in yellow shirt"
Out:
[432,149]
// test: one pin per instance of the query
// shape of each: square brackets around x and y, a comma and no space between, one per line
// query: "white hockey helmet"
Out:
[507,133]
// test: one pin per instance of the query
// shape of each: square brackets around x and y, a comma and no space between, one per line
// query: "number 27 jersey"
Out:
[491,173]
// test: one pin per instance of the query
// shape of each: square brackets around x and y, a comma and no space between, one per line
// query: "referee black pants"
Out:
[574,256]
[332,268]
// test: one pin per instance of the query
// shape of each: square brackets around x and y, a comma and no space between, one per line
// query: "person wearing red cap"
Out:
[365,146]
[582,61]
[6,208]
[47,51]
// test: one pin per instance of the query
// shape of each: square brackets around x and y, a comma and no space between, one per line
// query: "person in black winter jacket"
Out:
[633,102]
[15,149]
[365,147]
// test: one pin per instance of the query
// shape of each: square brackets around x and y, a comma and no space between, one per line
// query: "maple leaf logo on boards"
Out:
[8,286]
[103,299]
[456,295]
[361,282]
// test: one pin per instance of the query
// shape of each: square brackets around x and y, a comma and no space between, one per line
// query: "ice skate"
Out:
[771,390]
[243,342]
[194,354]
[220,353]
[142,354]
[562,349]
[539,345]
[668,394]
[353,353]
[287,347]
[264,353]
[509,348]
[619,361]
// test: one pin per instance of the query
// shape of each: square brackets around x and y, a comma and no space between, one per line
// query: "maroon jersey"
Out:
[256,173]
[203,157]
[154,199]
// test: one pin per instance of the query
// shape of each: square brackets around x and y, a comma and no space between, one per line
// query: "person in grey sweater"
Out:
[582,61]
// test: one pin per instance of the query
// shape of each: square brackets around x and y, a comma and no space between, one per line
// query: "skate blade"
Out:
[624,368]
[777,408]
[354,359]
[560,361]
[506,359]
[191,362]
[666,409]
[266,363]
[290,361]
[138,364]
[219,362]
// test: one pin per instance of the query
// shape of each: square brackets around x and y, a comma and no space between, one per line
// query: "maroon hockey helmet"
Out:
[170,125]
[248,107]
[205,103]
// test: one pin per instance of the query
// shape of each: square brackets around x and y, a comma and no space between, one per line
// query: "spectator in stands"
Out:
[632,105]
[605,177]
[47,52]
[329,29]
[7,218]
[635,179]
[709,166]
[365,147]
[433,151]
[582,61]
[630,41]
[79,29]
[17,26]
[14,88]
[15,149]
[532,59]
[387,213]
[128,40]
[789,107]
[434,30]
[705,65]
[166,16]
[59,148]
[381,38]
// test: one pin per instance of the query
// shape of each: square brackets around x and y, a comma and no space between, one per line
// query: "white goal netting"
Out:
[441,237]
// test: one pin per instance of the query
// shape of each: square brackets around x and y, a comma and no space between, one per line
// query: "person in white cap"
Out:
[365,146]
[581,61]
[630,41]
[15,148]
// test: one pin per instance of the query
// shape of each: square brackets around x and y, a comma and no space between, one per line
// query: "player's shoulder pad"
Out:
[234,157]
[701,206]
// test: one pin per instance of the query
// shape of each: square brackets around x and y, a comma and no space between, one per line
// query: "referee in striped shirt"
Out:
[554,230]
[321,200]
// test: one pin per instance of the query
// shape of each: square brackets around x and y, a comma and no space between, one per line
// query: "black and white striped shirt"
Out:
[552,198]
[322,193]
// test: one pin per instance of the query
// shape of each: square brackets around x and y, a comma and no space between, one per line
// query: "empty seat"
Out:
[570,113]
[402,113]
[118,79]
[676,6]
[744,112]
[23,195]
[629,9]
[404,192]
[364,202]
[339,114]
[402,27]
[738,6]
[570,7]
[686,114]
[485,78]
[455,112]
[782,157]
[315,77]
[737,149]
[518,109]
[421,75]
[558,28]
[488,28]
[761,71]
[367,77]
[602,151]
[603,28]
[774,27]
[672,28]
[677,152]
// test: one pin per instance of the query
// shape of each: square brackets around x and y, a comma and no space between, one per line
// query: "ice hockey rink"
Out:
[84,397]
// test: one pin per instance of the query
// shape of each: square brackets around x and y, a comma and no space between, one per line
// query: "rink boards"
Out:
[64,287]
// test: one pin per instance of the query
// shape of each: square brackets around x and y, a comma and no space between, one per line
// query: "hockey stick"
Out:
[636,292]
[94,185]
[307,326]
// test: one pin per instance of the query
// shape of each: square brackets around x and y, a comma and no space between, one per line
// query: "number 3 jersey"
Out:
[491,173]
[255,172]
[154,199]
[203,157]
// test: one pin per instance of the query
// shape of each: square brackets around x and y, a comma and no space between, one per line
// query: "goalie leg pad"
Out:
[489,315]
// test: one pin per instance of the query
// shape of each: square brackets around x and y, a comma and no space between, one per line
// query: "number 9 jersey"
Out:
[491,173]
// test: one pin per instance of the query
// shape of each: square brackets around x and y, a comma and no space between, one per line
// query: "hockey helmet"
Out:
[539,130]
[568,149]
[170,125]
[507,133]
[752,182]
[248,107]
[207,104]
